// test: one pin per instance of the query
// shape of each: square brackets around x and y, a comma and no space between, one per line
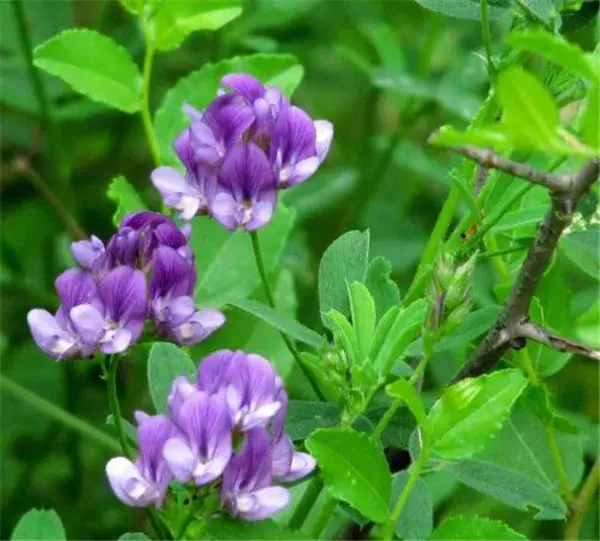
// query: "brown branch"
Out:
[490,160]
[531,331]
[22,165]
[505,332]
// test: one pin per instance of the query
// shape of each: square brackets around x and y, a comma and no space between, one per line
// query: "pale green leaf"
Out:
[492,136]
[416,519]
[354,469]
[471,412]
[165,363]
[467,9]
[382,288]
[475,528]
[124,195]
[94,65]
[343,334]
[362,308]
[39,525]
[200,87]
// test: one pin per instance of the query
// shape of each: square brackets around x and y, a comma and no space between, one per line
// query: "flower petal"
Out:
[50,337]
[128,483]
[89,323]
[75,286]
[324,131]
[180,459]
[262,503]
[245,85]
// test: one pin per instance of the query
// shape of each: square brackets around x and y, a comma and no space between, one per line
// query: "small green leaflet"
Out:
[355,470]
[362,308]
[165,363]
[383,289]
[39,524]
[124,195]
[94,65]
[403,390]
[471,412]
[475,528]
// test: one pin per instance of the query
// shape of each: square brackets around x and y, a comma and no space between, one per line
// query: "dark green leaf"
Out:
[94,65]
[471,412]
[582,247]
[37,525]
[200,87]
[126,198]
[165,363]
[467,9]
[416,519]
[475,528]
[304,417]
[344,261]
[284,323]
[354,469]
[383,289]
[538,400]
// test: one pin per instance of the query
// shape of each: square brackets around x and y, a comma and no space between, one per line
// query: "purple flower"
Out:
[252,389]
[289,465]
[246,487]
[139,235]
[56,335]
[145,481]
[203,448]
[115,316]
[173,308]
[245,193]
[298,146]
[89,253]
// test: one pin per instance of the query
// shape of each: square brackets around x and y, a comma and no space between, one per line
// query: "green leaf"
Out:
[362,308]
[492,136]
[581,247]
[173,21]
[165,363]
[382,288]
[467,9]
[556,49]
[39,524]
[404,390]
[285,324]
[94,65]
[530,114]
[234,530]
[343,334]
[354,469]
[416,519]
[512,487]
[200,87]
[590,123]
[126,198]
[134,536]
[475,528]
[304,417]
[345,260]
[538,400]
[471,412]
[225,262]
[128,428]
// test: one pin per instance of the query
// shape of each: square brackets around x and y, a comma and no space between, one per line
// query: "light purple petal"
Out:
[178,310]
[224,208]
[49,336]
[75,286]
[198,327]
[180,459]
[245,85]
[324,136]
[262,503]
[302,465]
[116,341]
[177,192]
[128,483]
[172,275]
[87,252]
[246,173]
[181,390]
[89,323]
[283,452]
[213,370]
[302,170]
[261,212]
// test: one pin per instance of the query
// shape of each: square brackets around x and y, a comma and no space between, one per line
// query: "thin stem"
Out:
[583,502]
[415,472]
[497,253]
[113,400]
[271,300]
[386,418]
[487,41]
[62,416]
[71,225]
[304,506]
[325,512]
[55,153]
[145,103]
[559,465]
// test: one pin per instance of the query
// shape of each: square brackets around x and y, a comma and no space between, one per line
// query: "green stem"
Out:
[415,472]
[145,103]
[583,502]
[497,253]
[304,506]
[325,512]
[113,400]
[487,41]
[55,154]
[64,417]
[271,300]
[559,465]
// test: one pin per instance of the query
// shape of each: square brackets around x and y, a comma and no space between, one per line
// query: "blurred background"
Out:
[386,74]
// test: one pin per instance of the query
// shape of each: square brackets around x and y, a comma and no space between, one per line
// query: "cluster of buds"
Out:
[145,271]
[225,430]
[450,293]
[245,146]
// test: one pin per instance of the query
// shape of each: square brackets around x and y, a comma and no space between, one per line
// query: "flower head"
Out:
[144,482]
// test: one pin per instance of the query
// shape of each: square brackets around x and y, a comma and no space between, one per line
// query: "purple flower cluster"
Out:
[236,402]
[145,271]
[244,147]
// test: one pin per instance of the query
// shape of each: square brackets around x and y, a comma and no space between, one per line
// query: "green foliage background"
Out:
[381,72]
